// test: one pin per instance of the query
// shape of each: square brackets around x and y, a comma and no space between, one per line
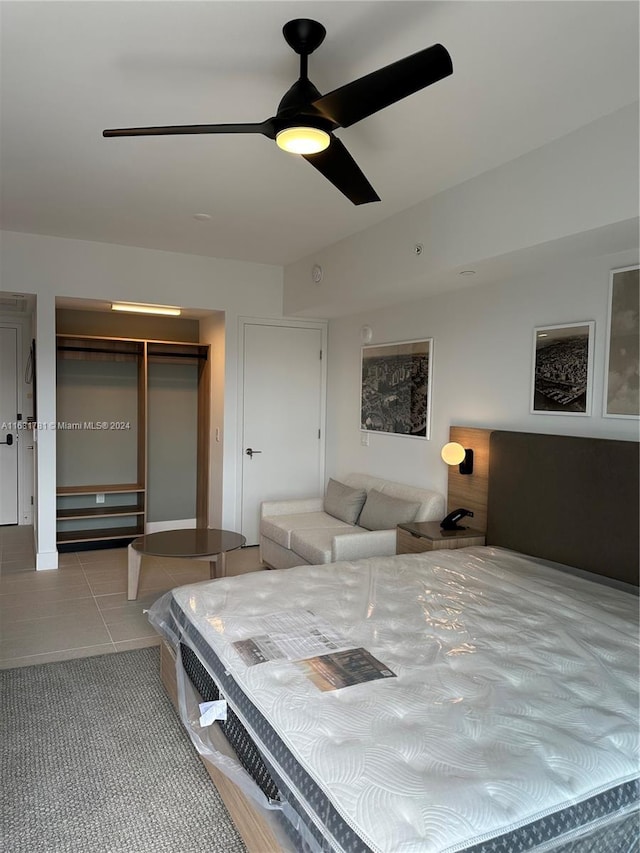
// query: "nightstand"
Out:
[428,536]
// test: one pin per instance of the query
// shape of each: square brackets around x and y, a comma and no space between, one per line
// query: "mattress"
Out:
[501,714]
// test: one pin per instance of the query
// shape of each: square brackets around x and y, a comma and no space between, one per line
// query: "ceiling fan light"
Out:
[303,140]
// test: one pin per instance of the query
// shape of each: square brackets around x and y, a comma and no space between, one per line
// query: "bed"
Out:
[478,701]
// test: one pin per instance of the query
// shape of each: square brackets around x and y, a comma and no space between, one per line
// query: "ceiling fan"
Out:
[305,120]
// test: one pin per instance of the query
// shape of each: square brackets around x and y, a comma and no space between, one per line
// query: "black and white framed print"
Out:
[562,369]
[396,388]
[622,370]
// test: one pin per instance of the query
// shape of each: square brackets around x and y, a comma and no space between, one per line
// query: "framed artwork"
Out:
[621,376]
[562,369]
[396,388]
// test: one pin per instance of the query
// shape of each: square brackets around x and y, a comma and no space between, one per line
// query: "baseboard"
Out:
[177,524]
[46,560]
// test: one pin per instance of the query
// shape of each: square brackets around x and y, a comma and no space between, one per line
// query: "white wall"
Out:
[585,183]
[541,232]
[482,366]
[44,439]
[51,267]
[221,477]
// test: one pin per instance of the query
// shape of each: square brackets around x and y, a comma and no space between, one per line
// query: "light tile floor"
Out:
[81,609]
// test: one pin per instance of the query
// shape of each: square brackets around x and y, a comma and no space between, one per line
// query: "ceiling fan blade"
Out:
[380,89]
[339,167]
[265,128]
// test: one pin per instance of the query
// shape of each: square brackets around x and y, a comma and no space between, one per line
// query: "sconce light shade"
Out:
[455,454]
[452,453]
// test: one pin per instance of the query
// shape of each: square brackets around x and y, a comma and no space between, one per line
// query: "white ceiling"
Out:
[525,73]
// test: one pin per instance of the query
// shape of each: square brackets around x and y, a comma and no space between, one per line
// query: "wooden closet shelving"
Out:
[125,504]
[135,511]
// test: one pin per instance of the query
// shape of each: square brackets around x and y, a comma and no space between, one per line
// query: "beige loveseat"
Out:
[367,509]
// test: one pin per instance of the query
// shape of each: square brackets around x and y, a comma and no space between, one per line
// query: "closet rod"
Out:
[203,355]
[99,349]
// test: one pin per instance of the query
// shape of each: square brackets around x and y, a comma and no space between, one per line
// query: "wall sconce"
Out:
[455,454]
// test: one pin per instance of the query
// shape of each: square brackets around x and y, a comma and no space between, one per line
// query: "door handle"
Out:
[250,451]
[9,440]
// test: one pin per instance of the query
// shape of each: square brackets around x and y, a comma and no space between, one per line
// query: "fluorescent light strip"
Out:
[132,308]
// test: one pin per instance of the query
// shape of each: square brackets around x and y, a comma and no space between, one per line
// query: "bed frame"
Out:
[578,505]
[248,820]
[565,499]
[573,501]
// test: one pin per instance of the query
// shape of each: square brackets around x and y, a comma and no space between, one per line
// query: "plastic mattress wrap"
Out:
[199,719]
[474,700]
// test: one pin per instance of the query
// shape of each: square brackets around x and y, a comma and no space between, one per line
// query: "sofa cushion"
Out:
[432,504]
[382,512]
[343,502]
[279,527]
[315,545]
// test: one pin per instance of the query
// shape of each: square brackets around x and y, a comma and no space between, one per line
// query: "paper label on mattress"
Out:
[212,711]
[344,669]
[290,635]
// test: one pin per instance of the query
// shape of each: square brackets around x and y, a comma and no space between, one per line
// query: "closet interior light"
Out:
[134,308]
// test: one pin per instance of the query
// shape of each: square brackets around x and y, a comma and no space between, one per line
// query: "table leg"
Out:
[218,566]
[134,559]
[214,565]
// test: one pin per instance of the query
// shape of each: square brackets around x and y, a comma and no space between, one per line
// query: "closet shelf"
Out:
[107,533]
[100,511]
[123,488]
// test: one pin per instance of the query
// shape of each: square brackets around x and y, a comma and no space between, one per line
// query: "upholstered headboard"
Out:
[571,500]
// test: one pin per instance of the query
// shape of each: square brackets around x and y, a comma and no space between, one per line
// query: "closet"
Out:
[132,437]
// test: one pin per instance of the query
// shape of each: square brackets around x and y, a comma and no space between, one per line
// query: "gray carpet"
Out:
[95,760]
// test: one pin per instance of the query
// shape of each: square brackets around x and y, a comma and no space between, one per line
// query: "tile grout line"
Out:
[110,643]
[84,574]
[73,560]
[113,642]
[71,648]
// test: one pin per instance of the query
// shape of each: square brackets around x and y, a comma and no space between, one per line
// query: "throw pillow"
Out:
[382,512]
[343,502]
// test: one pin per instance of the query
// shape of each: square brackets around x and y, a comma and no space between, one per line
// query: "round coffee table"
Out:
[194,543]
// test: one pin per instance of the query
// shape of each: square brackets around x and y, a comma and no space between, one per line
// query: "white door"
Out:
[8,431]
[283,409]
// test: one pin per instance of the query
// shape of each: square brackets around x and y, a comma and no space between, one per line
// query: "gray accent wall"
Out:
[172,416]
[97,392]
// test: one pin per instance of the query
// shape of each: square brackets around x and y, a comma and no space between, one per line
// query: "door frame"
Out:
[286,322]
[24,437]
